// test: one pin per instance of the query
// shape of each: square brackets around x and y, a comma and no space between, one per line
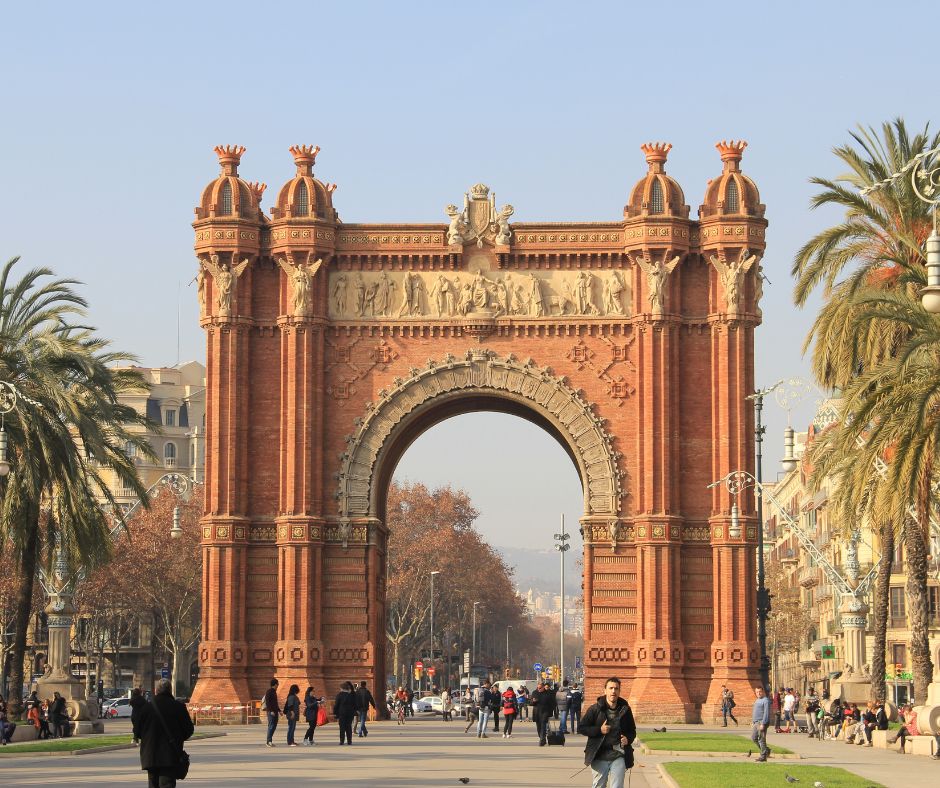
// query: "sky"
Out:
[111,111]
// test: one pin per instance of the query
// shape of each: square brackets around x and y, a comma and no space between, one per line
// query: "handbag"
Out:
[322,718]
[182,764]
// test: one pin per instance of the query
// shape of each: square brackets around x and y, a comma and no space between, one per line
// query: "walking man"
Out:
[364,699]
[760,719]
[563,702]
[610,729]
[575,698]
[484,701]
[543,708]
[811,711]
[162,726]
[272,709]
[727,705]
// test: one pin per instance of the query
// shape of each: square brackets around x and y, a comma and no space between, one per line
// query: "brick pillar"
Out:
[298,650]
[734,653]
[223,650]
[659,653]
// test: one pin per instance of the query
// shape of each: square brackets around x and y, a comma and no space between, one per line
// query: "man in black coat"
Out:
[364,699]
[543,707]
[344,709]
[161,742]
[610,729]
[58,716]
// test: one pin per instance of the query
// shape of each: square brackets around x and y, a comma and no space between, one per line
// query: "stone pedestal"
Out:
[854,686]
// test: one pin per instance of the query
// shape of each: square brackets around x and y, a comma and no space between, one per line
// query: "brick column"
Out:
[223,650]
[659,654]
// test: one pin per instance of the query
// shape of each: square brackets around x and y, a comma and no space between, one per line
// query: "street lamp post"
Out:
[431,653]
[508,664]
[473,646]
[562,546]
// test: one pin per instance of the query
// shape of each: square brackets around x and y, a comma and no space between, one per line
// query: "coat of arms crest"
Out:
[479,220]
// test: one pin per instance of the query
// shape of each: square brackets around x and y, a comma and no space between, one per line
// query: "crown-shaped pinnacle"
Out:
[257,190]
[731,152]
[656,154]
[229,157]
[305,156]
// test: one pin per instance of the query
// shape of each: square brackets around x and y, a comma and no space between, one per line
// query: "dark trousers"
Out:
[291,727]
[541,724]
[161,778]
[345,730]
[272,724]
[574,719]
[495,713]
[507,728]
[311,727]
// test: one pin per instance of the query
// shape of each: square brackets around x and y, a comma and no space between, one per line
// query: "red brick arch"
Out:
[331,346]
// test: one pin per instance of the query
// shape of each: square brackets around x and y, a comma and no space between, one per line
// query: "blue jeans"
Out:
[563,720]
[361,724]
[574,717]
[481,723]
[272,724]
[759,737]
[291,725]
[608,774]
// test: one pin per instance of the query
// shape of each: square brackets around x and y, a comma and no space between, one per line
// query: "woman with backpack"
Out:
[292,713]
[509,711]
[311,707]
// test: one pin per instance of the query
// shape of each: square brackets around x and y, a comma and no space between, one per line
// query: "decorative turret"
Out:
[733,193]
[228,196]
[305,197]
[657,194]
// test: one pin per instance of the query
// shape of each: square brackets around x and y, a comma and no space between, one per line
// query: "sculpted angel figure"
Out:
[732,275]
[201,288]
[224,278]
[300,277]
[504,234]
[656,274]
[457,225]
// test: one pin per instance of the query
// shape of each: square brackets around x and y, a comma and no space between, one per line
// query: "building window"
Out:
[898,557]
[656,197]
[899,654]
[731,197]
[226,198]
[303,201]
[169,455]
[933,604]
[169,418]
[897,604]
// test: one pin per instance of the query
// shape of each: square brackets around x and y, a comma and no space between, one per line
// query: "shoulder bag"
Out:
[182,763]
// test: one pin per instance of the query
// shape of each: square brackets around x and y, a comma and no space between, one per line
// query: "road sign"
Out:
[164,673]
[419,665]
[466,661]
[537,667]
[828,652]
[432,670]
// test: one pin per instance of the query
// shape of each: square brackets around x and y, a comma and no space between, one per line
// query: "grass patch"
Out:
[70,744]
[703,742]
[757,775]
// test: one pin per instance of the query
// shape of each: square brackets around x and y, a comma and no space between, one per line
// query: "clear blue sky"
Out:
[111,110]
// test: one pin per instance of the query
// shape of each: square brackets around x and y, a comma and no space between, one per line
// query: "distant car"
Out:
[426,704]
[121,707]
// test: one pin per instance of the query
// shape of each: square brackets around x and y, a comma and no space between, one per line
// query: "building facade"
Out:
[821,657]
[332,346]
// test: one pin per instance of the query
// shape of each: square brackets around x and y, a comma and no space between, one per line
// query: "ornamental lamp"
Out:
[176,531]
[930,295]
[4,463]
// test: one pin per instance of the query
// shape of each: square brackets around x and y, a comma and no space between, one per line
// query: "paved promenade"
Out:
[424,753]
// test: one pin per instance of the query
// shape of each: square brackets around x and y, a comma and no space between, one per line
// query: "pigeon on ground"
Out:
[464,780]
[791,779]
[818,784]
[659,730]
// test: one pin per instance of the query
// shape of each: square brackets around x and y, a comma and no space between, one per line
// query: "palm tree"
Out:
[66,425]
[867,338]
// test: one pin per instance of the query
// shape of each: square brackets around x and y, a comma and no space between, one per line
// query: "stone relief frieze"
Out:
[421,295]
[481,370]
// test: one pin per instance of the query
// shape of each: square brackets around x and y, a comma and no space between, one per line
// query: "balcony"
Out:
[809,659]
[824,593]
[809,576]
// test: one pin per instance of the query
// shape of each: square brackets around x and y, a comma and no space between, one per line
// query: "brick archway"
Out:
[480,373]
[332,345]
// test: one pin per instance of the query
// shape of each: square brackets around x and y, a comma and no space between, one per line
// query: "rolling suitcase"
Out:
[554,738]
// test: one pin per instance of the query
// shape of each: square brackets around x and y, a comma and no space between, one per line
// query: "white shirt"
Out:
[788,702]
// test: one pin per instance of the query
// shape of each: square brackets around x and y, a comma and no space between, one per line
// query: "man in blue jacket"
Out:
[760,719]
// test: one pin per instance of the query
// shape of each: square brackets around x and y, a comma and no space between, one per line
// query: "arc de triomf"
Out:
[332,346]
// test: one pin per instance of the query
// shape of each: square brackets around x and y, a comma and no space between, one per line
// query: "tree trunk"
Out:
[24,607]
[917,610]
[880,604]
